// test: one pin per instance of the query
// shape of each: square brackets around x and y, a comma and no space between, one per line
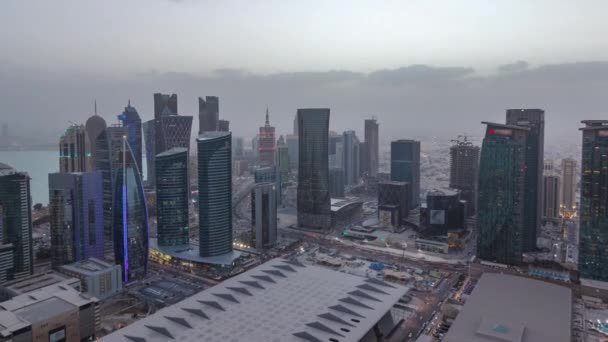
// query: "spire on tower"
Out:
[267,119]
[95,106]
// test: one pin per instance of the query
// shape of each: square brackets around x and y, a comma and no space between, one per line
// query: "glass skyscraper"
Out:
[149,129]
[350,160]
[464,169]
[130,119]
[130,218]
[534,119]
[593,231]
[76,211]
[500,215]
[371,148]
[313,168]
[264,215]
[208,114]
[16,220]
[405,167]
[172,197]
[215,193]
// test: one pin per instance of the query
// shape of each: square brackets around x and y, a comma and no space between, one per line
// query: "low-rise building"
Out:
[36,282]
[99,279]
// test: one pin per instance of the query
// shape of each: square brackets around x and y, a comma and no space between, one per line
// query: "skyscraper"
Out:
[313,175]
[568,202]
[551,193]
[534,119]
[74,150]
[464,168]
[445,211]
[165,104]
[405,167]
[150,140]
[16,221]
[350,161]
[130,217]
[171,130]
[283,159]
[395,195]
[223,126]
[215,193]
[593,231]
[130,119]
[372,150]
[500,214]
[172,197]
[76,211]
[336,182]
[208,114]
[238,147]
[95,128]
[294,150]
[335,159]
[548,166]
[266,145]
[264,215]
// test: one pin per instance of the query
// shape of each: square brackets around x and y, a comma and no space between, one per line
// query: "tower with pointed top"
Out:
[266,146]
[130,119]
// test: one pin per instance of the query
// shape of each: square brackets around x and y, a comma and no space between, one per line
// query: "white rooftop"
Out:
[279,301]
[508,308]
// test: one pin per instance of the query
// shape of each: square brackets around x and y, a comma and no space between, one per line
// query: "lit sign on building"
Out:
[602,133]
[500,131]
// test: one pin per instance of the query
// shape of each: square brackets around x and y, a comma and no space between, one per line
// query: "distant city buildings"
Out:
[371,148]
[464,169]
[350,161]
[551,197]
[313,200]
[264,215]
[593,231]
[215,193]
[130,119]
[74,150]
[208,114]
[266,146]
[76,217]
[500,214]
[405,167]
[15,225]
[568,199]
[172,197]
[534,119]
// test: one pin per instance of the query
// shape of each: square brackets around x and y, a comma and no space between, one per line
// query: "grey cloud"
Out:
[514,67]
[418,73]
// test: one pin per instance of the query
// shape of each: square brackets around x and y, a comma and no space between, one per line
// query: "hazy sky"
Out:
[422,67]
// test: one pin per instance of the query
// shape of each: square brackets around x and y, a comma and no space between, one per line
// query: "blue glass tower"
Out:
[405,167]
[130,119]
[215,193]
[130,216]
[172,197]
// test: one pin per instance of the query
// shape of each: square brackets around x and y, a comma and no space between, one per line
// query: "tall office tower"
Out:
[296,131]
[500,212]
[548,166]
[223,126]
[283,159]
[130,119]
[593,209]
[16,221]
[263,215]
[464,168]
[445,211]
[208,114]
[74,150]
[372,147]
[172,197]
[405,167]
[269,175]
[215,193]
[393,202]
[294,150]
[174,132]
[255,143]
[130,217]
[551,193]
[108,162]
[266,145]
[238,147]
[568,202]
[165,104]
[96,129]
[150,140]
[336,182]
[350,161]
[76,211]
[313,170]
[339,161]
[334,140]
[534,119]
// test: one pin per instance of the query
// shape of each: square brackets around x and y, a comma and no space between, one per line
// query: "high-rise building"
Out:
[165,104]
[336,182]
[405,167]
[130,119]
[548,166]
[95,128]
[568,202]
[208,114]
[500,214]
[445,211]
[593,210]
[283,159]
[150,140]
[223,126]
[551,193]
[172,197]
[130,217]
[295,125]
[215,193]
[335,160]
[294,150]
[350,161]
[269,175]
[174,132]
[464,168]
[313,169]
[76,217]
[394,195]
[255,143]
[266,145]
[238,147]
[534,119]
[74,150]
[372,147]
[263,215]
[15,223]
